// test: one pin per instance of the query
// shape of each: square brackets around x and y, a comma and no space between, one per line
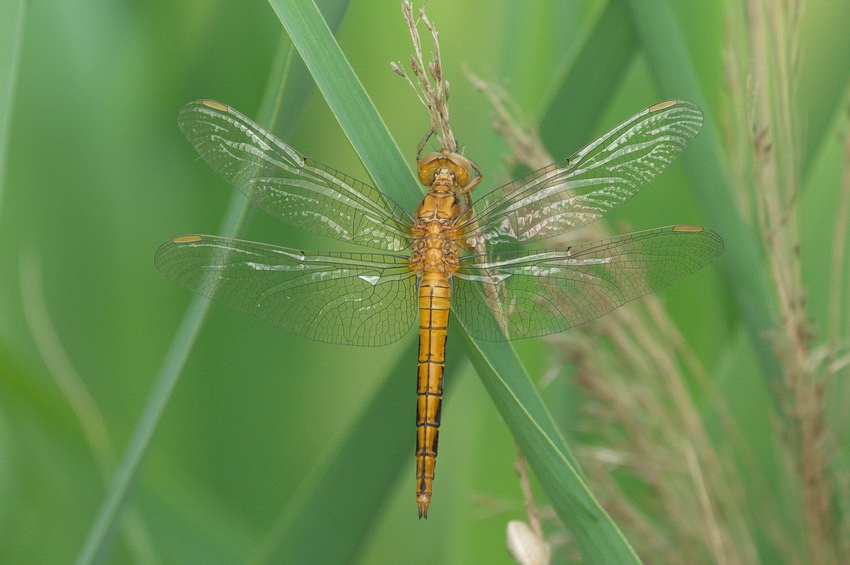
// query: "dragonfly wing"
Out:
[349,298]
[578,190]
[289,186]
[534,293]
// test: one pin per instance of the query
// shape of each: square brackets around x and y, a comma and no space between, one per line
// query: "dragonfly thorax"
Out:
[439,204]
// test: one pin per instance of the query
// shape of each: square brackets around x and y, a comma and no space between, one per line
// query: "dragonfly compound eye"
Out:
[430,164]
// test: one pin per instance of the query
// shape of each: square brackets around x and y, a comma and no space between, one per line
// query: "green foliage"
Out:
[235,442]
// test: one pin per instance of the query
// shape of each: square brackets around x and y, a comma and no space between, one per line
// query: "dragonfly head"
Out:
[430,165]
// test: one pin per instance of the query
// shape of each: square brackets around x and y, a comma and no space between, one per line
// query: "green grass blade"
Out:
[290,104]
[12,16]
[662,41]
[593,531]
[347,99]
[589,77]
[99,539]
[317,526]
[507,382]
[823,85]
[100,535]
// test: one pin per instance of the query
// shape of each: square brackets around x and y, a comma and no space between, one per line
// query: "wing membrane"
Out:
[534,293]
[584,187]
[287,185]
[349,298]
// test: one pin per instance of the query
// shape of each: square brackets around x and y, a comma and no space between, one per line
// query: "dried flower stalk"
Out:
[810,364]
[434,96]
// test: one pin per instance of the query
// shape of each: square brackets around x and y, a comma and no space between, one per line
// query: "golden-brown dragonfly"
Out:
[436,260]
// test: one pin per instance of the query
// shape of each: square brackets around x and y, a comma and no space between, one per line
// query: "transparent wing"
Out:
[349,298]
[289,186]
[584,187]
[534,293]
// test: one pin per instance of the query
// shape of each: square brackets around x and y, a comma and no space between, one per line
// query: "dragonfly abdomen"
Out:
[434,296]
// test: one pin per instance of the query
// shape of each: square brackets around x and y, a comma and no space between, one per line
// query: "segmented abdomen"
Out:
[434,296]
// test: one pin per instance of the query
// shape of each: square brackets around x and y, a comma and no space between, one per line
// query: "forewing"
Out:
[532,293]
[287,185]
[584,187]
[348,298]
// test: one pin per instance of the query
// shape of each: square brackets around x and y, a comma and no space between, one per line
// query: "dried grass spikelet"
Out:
[428,82]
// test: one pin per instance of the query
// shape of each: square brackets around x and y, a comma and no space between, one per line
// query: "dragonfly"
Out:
[447,255]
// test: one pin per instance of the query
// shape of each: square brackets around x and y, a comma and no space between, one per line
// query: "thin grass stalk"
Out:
[777,152]
[838,329]
[740,141]
[77,395]
[99,539]
[838,326]
[839,314]
[12,19]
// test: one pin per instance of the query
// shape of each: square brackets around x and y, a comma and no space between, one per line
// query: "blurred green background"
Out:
[97,175]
